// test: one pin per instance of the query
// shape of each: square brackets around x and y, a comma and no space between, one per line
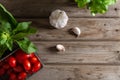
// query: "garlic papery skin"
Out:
[58,19]
[76,31]
[60,48]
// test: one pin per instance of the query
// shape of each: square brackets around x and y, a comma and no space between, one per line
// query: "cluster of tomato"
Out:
[19,65]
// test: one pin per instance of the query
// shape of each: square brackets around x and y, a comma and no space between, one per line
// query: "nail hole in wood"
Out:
[116,30]
[69,78]
[104,24]
[115,9]
[88,73]
[37,35]
[118,51]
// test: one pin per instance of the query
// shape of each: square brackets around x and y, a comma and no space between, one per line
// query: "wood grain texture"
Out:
[81,72]
[95,55]
[43,8]
[92,29]
[80,52]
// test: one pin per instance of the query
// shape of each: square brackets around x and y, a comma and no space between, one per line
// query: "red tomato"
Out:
[6,66]
[12,76]
[2,71]
[18,69]
[9,71]
[22,75]
[12,61]
[30,55]
[36,67]
[21,56]
[33,59]
[27,65]
[20,79]
[1,63]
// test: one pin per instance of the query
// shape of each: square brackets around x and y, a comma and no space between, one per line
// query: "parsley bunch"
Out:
[12,32]
[95,6]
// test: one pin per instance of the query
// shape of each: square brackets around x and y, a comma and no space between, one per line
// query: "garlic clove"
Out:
[60,47]
[58,19]
[76,31]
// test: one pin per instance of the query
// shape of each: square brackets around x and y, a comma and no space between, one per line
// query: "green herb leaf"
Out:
[5,27]
[23,26]
[95,6]
[9,44]
[109,2]
[3,38]
[7,16]
[23,34]
[82,3]
[12,32]
[27,46]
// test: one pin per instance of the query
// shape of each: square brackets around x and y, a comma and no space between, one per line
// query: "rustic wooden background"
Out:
[95,55]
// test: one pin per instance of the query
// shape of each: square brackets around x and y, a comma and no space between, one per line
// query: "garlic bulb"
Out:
[58,19]
[60,47]
[76,31]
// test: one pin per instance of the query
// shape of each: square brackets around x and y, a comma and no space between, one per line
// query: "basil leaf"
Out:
[98,7]
[5,27]
[12,32]
[7,16]
[82,3]
[3,38]
[9,44]
[27,46]
[21,35]
[95,6]
[31,30]
[23,26]
[109,2]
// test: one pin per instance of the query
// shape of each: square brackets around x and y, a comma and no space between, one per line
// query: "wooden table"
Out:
[95,55]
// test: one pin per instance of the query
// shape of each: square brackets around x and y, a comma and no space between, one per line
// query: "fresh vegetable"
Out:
[30,55]
[6,66]
[8,72]
[33,59]
[12,61]
[76,31]
[7,16]
[16,70]
[58,19]
[13,32]
[95,6]
[27,65]
[60,48]
[22,75]
[2,71]
[18,55]
[13,76]
[36,67]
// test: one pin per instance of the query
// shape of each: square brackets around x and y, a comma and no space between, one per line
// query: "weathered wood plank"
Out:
[41,1]
[81,72]
[92,29]
[80,52]
[43,8]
